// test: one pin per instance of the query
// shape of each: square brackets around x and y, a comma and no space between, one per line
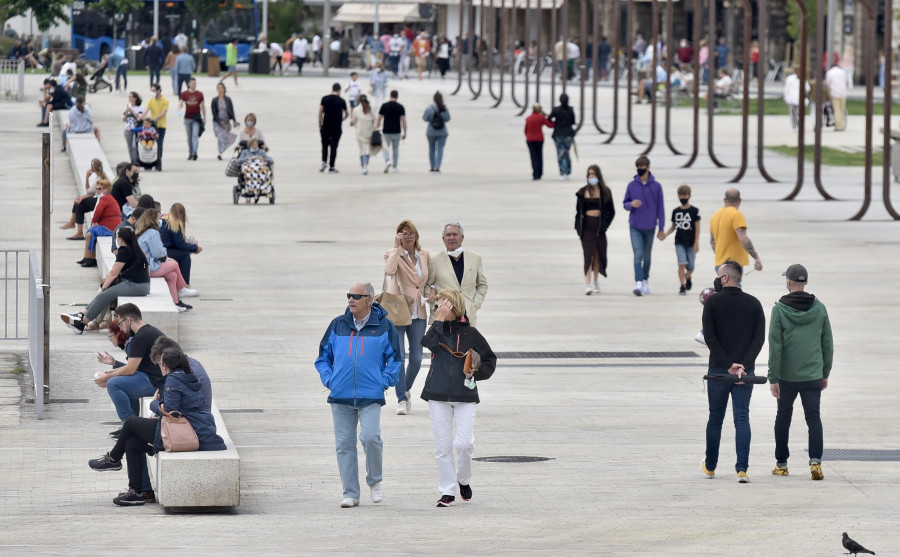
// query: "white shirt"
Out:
[395,45]
[317,43]
[353,89]
[836,79]
[300,47]
[574,51]
[180,40]
[723,84]
[275,49]
[360,324]
[68,66]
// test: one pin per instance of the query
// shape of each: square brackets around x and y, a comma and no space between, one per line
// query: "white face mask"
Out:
[455,253]
[593,180]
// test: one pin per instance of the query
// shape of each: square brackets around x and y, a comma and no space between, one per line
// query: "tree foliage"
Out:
[46,12]
[286,17]
[113,7]
[794,17]
[205,11]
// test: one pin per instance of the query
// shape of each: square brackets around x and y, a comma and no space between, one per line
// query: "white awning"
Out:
[359,12]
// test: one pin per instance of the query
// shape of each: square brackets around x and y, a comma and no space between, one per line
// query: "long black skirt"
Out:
[593,243]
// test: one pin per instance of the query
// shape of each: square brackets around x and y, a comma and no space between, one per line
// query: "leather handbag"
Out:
[177,434]
[397,306]
[376,140]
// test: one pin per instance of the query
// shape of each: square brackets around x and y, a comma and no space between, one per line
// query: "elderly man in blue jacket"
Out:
[359,359]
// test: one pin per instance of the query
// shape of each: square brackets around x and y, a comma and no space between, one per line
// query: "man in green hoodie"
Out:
[800,357]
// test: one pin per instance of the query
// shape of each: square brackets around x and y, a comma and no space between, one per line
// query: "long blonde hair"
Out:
[147,221]
[177,219]
[97,167]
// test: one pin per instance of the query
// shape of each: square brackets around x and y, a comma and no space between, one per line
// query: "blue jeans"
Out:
[436,150]
[810,396]
[642,244]
[192,127]
[414,332]
[718,393]
[125,390]
[345,422]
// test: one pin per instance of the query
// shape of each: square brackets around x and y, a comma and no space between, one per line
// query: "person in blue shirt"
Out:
[722,52]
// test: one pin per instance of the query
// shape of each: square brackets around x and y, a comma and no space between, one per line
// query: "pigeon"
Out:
[854,548]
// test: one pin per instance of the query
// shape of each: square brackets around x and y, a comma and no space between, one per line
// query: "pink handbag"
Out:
[177,434]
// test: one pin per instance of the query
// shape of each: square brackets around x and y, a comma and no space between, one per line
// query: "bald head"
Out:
[733,196]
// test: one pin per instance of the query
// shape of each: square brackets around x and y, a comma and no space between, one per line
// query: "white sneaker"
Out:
[349,502]
[638,288]
[408,402]
[365,170]
[377,492]
[393,170]
[322,169]
[187,293]
[588,290]
[387,167]
[562,177]
[596,286]
[645,288]
[401,408]
[700,338]
[181,309]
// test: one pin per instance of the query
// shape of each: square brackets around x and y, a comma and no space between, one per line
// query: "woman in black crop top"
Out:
[594,211]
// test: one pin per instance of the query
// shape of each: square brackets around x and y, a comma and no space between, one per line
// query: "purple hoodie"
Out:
[652,209]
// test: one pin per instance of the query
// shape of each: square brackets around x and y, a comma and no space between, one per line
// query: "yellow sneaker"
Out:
[710,474]
[816,471]
[779,471]
[742,477]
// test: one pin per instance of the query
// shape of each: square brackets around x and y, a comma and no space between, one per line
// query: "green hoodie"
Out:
[800,343]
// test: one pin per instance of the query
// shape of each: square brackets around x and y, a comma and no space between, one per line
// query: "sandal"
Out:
[75,238]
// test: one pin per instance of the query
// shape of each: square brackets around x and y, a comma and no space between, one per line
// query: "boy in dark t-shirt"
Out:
[686,226]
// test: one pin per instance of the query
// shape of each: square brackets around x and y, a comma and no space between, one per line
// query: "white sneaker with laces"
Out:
[401,408]
[638,288]
[377,492]
[596,286]
[588,290]
[349,502]
[645,287]
[187,293]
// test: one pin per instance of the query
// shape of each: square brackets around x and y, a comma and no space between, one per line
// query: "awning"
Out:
[359,12]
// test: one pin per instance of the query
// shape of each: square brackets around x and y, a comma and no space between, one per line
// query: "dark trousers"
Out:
[159,144]
[330,140]
[718,393]
[154,72]
[810,396]
[135,443]
[299,60]
[183,79]
[122,72]
[536,150]
[85,206]
[184,261]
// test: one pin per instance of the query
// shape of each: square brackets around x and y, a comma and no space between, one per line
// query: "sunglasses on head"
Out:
[356,296]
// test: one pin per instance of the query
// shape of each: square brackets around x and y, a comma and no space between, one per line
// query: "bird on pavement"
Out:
[853,547]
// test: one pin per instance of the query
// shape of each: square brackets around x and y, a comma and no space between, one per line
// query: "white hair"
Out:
[370,290]
[456,224]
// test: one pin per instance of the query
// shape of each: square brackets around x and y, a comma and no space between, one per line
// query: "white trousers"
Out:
[443,415]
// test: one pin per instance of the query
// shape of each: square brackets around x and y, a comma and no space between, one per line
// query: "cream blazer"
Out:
[395,261]
[474,285]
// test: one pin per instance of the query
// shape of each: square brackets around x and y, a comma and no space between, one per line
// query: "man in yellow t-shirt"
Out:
[157,107]
[728,233]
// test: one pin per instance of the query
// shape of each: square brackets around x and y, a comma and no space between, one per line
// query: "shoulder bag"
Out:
[376,139]
[177,434]
[397,306]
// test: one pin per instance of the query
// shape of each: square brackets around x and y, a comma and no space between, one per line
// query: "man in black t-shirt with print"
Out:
[686,225]
[332,112]
[394,129]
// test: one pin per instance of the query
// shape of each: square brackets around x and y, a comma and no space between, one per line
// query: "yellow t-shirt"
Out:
[155,107]
[722,226]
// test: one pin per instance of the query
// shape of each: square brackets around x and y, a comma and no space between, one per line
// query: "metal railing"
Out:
[12,80]
[14,280]
[36,333]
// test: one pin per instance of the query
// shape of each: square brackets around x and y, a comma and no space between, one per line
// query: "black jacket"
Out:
[607,212]
[734,327]
[214,105]
[445,376]
[154,57]
[564,118]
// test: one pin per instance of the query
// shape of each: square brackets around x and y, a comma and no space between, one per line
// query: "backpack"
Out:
[437,121]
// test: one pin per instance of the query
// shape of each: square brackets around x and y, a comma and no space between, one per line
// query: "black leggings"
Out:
[135,442]
[85,206]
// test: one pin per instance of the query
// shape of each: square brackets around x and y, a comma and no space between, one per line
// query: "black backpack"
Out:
[437,121]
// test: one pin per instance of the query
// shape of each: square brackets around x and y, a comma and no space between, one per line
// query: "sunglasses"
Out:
[356,296]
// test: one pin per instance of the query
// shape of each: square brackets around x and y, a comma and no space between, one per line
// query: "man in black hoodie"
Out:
[734,327]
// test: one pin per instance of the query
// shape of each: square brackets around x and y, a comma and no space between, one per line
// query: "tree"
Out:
[287,17]
[205,11]
[115,7]
[46,12]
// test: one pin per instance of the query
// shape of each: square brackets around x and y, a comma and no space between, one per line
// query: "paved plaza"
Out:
[624,433]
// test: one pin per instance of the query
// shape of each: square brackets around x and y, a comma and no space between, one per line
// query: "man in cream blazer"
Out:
[453,268]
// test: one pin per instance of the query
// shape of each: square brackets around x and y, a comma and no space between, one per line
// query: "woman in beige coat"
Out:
[407,263]
[364,120]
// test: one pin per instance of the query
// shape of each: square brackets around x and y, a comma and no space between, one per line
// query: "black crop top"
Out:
[591,203]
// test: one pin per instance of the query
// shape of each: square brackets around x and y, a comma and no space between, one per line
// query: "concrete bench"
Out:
[157,307]
[199,478]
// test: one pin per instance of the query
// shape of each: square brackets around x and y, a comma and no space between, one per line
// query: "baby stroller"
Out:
[95,75]
[147,147]
[254,176]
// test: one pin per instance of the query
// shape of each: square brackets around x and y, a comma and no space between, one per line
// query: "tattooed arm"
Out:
[748,245]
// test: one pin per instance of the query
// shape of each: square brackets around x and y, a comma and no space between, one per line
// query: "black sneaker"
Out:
[89,263]
[115,434]
[129,499]
[446,501]
[688,284]
[465,492]
[74,321]
[682,291]
[149,496]
[184,305]
[104,463]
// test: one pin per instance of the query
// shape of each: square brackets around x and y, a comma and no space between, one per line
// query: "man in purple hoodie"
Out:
[644,200]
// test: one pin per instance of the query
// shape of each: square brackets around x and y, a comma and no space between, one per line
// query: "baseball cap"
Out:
[796,273]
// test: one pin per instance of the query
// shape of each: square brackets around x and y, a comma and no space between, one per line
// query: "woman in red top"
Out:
[534,137]
[107,216]
[191,101]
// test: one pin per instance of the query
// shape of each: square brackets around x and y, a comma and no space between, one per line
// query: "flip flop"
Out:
[75,238]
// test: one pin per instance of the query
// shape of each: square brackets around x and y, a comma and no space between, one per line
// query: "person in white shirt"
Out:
[181,41]
[836,80]
[69,65]
[353,90]
[299,48]
[792,96]
[317,49]
[275,53]
[574,54]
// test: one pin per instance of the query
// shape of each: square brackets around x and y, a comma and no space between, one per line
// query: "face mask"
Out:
[593,181]
[134,176]
[717,284]
[641,171]
[251,123]
[683,200]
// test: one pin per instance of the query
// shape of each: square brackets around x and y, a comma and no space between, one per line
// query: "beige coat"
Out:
[395,261]
[474,285]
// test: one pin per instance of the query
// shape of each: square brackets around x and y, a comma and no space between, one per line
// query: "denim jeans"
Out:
[718,393]
[345,420]
[414,332]
[192,127]
[642,245]
[810,396]
[436,150]
[125,390]
[391,148]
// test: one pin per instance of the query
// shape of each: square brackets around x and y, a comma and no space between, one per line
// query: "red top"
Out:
[107,213]
[192,101]
[534,126]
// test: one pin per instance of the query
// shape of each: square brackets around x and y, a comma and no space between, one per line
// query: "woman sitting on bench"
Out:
[157,258]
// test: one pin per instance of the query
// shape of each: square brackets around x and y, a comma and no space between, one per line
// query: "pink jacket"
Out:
[396,261]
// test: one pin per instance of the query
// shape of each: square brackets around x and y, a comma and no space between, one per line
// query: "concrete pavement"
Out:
[625,435]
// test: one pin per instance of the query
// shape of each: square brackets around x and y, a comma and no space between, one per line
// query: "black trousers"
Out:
[154,72]
[299,60]
[330,140]
[536,150]
[159,144]
[85,206]
[135,443]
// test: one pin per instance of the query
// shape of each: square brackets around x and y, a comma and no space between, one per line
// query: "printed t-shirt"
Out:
[353,89]
[333,113]
[392,111]
[722,226]
[192,101]
[686,222]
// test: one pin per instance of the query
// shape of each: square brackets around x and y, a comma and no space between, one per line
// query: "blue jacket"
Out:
[358,366]
[182,392]
[172,239]
[152,247]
